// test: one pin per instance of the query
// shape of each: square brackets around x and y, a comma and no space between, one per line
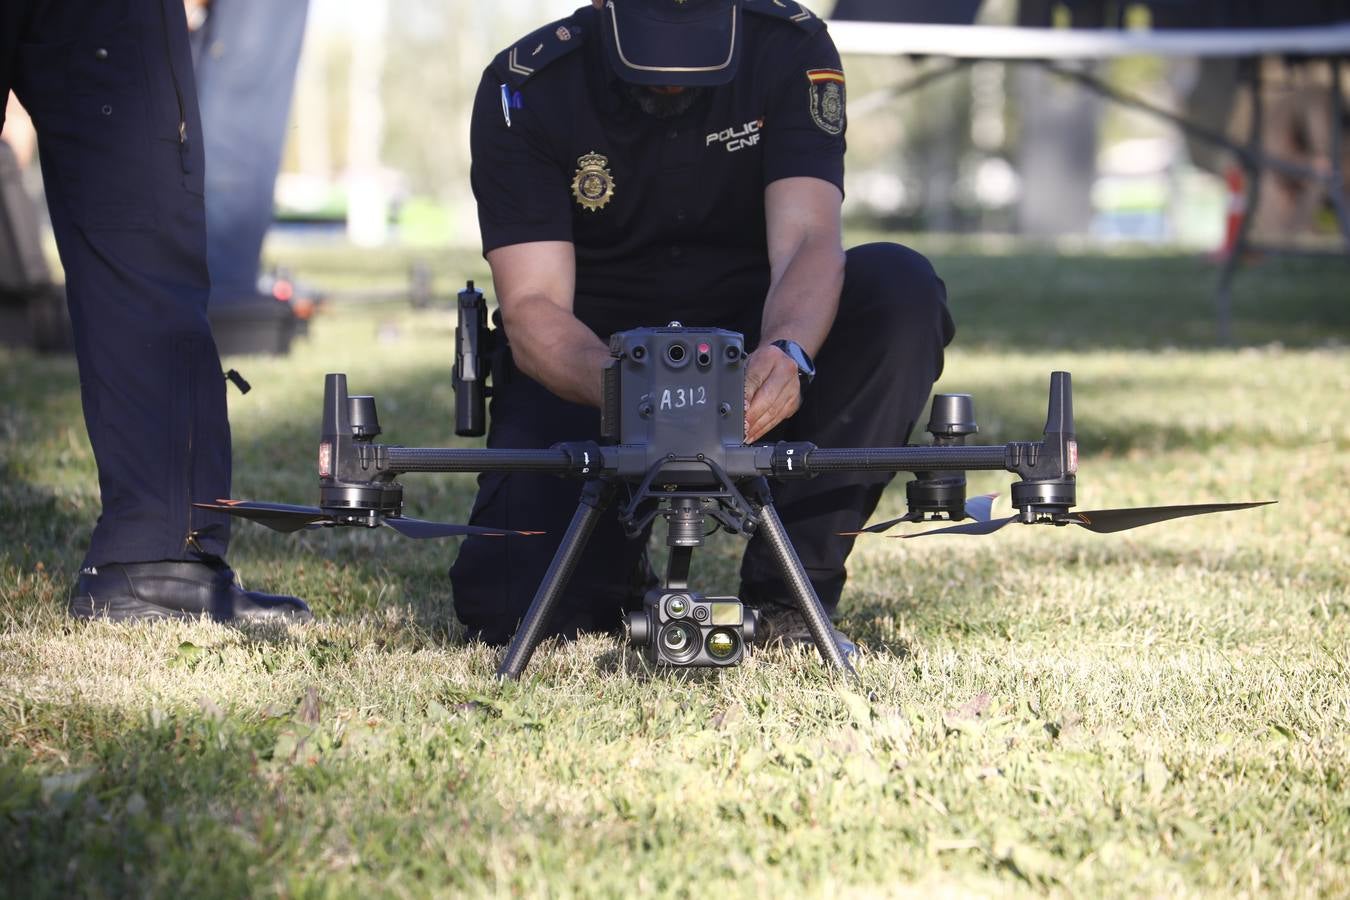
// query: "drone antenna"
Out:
[1059,418]
[1059,427]
[335,437]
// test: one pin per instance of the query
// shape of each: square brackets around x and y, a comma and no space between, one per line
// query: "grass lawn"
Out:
[1161,712]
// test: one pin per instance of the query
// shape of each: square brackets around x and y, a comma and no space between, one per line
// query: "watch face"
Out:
[799,356]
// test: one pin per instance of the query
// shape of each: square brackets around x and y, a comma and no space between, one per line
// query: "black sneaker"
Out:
[785,626]
[130,592]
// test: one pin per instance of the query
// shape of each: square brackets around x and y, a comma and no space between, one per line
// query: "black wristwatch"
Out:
[806,369]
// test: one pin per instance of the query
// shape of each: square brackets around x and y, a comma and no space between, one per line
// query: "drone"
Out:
[672,434]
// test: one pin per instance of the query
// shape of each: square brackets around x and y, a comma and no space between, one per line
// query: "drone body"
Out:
[673,428]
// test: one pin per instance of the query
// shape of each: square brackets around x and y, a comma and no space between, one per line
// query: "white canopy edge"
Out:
[1003,42]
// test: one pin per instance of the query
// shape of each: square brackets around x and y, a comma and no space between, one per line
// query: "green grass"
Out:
[1162,712]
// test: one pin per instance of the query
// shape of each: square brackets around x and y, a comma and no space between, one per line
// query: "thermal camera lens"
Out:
[676,607]
[679,640]
[676,353]
[721,645]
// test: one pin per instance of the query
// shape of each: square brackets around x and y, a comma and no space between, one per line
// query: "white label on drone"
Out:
[679,398]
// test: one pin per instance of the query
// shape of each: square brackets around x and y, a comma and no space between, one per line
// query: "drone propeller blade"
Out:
[978,508]
[1105,521]
[1108,521]
[421,529]
[981,508]
[277,516]
[988,526]
[880,527]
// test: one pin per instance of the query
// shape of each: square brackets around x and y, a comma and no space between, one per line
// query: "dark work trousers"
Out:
[109,86]
[875,372]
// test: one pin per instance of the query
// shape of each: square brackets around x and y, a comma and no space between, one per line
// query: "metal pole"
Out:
[794,575]
[595,498]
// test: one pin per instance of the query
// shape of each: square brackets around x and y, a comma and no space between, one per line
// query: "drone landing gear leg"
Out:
[794,576]
[596,497]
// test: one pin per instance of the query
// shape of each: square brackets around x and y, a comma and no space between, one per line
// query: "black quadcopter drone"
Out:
[672,427]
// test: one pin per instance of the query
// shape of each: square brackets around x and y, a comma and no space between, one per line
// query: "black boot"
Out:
[128,592]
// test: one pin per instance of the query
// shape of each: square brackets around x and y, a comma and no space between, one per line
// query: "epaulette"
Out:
[518,63]
[789,10]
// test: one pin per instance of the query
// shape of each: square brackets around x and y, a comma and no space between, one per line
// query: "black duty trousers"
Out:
[110,88]
[874,375]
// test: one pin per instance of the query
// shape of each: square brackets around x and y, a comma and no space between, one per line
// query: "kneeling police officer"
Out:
[645,161]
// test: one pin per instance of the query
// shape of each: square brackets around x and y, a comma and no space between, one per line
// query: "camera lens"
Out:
[721,645]
[679,640]
[676,353]
[637,625]
[677,606]
[701,613]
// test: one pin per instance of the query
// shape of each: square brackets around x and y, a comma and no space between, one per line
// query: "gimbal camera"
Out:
[672,428]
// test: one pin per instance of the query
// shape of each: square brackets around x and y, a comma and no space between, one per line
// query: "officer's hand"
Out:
[773,391]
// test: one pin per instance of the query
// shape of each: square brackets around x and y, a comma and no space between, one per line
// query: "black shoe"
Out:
[176,590]
[785,626]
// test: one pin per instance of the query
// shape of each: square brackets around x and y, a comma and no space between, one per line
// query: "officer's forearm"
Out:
[553,347]
[804,299]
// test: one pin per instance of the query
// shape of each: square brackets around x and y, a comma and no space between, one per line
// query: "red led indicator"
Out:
[704,348]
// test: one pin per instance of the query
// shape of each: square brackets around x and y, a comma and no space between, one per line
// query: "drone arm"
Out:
[555,460]
[891,459]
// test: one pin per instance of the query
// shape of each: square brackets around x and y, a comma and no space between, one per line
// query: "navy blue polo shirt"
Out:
[666,214]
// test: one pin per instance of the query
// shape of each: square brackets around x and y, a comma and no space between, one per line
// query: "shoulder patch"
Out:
[524,59]
[787,10]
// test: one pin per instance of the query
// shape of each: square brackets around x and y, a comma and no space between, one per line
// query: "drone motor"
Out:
[361,502]
[942,495]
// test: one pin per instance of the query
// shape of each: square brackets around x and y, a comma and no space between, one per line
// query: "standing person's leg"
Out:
[109,86]
[874,374]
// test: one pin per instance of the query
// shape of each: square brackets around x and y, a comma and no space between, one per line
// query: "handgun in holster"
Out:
[475,343]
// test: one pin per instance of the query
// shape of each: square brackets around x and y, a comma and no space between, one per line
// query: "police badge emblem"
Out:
[593,184]
[827,99]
